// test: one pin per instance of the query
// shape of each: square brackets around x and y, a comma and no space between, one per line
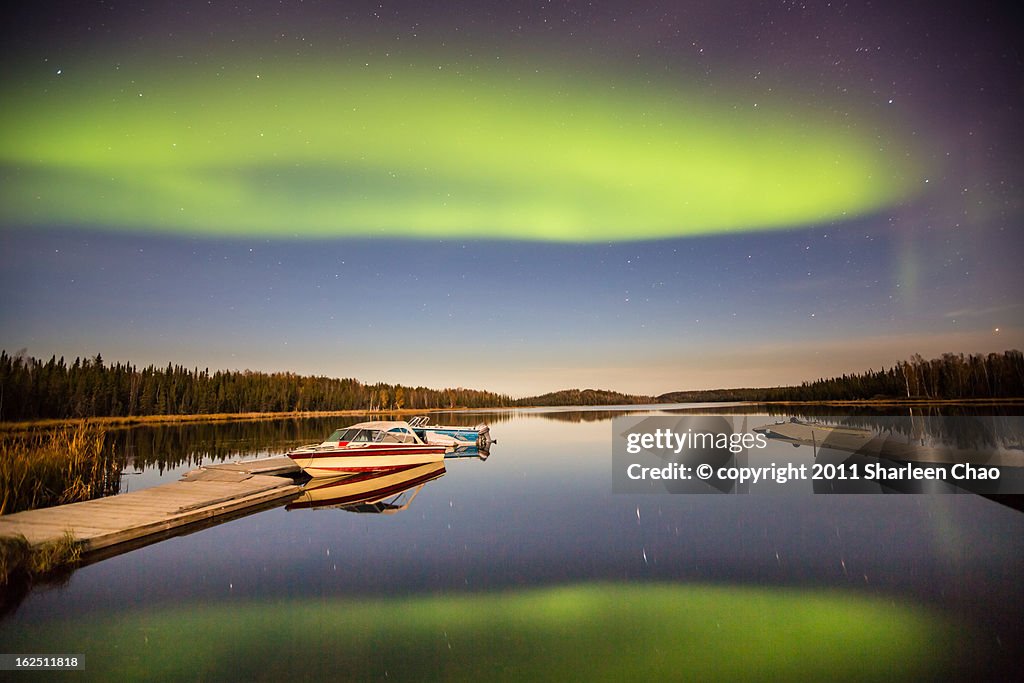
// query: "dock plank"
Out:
[105,522]
[281,464]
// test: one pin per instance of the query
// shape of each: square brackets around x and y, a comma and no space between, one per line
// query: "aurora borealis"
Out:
[638,196]
[422,151]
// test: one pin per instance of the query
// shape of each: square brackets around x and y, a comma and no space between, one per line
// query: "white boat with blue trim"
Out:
[451,435]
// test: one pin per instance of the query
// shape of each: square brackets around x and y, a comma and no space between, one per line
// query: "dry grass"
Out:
[14,553]
[39,469]
[19,560]
[51,556]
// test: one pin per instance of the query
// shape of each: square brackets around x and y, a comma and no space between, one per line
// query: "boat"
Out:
[382,492]
[451,435]
[367,447]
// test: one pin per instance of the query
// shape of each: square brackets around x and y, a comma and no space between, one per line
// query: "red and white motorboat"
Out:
[366,447]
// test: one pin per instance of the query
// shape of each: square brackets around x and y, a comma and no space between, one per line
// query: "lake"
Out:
[526,565]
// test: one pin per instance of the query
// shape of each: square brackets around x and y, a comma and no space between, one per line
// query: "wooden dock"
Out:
[276,466]
[203,496]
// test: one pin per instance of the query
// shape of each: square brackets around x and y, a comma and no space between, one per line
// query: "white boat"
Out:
[367,447]
[451,435]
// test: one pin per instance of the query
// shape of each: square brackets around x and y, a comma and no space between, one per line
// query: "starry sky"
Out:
[521,197]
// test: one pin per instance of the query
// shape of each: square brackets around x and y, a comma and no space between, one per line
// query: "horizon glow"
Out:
[331,148]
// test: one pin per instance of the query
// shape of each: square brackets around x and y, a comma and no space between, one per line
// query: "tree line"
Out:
[583,397]
[33,389]
[949,377]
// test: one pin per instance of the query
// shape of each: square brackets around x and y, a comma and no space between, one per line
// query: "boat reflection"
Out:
[468,452]
[378,492]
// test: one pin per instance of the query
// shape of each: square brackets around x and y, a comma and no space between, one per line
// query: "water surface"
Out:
[536,524]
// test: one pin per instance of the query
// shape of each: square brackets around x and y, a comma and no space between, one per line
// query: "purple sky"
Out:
[936,271]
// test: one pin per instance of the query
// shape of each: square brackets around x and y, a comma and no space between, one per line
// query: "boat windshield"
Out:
[369,435]
[400,434]
[351,435]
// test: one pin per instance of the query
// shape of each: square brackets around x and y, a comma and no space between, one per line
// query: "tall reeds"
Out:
[41,469]
[19,561]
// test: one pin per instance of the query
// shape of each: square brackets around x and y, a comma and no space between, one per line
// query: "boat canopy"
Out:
[375,432]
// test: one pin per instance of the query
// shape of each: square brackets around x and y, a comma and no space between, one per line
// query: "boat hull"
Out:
[371,458]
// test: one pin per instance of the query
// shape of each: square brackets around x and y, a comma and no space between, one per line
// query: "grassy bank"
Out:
[19,561]
[44,468]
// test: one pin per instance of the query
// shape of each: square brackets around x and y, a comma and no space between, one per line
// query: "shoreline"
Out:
[911,402]
[137,420]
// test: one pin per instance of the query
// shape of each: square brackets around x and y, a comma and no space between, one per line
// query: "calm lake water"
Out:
[526,564]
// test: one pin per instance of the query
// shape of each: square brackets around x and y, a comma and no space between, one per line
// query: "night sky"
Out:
[519,197]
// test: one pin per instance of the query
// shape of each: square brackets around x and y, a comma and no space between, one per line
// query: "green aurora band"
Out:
[591,632]
[336,149]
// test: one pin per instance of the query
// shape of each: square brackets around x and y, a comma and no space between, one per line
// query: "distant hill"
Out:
[583,397]
[719,395]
